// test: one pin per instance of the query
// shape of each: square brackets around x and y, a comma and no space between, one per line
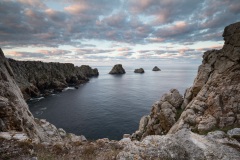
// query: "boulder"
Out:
[156,69]
[117,69]
[140,70]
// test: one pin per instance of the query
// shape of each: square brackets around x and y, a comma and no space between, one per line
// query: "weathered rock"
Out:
[140,70]
[117,69]
[156,69]
[16,119]
[88,71]
[183,145]
[35,77]
[162,117]
[213,100]
[234,133]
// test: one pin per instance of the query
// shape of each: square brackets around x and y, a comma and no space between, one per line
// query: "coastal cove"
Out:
[109,106]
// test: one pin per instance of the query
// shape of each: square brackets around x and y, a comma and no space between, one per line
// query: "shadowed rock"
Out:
[117,69]
[156,69]
[35,77]
[140,70]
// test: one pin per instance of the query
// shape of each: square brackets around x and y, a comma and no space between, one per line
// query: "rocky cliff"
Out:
[197,126]
[213,102]
[35,77]
[15,117]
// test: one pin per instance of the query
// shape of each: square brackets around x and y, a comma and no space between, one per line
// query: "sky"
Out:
[105,32]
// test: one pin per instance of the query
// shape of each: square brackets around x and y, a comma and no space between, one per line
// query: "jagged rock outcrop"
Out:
[183,145]
[156,69]
[16,121]
[213,102]
[117,69]
[140,70]
[87,71]
[163,116]
[35,77]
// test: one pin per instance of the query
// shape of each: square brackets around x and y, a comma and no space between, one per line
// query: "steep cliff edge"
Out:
[35,77]
[213,102]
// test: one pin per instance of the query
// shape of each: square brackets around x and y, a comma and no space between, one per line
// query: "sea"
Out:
[109,106]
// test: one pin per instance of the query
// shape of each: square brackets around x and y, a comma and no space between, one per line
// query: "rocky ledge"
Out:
[117,69]
[140,70]
[35,77]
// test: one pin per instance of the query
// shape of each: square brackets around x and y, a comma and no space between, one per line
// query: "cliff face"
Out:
[35,77]
[213,102]
[16,121]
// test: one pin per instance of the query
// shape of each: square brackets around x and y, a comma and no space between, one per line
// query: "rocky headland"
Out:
[36,77]
[203,124]
[117,69]
[140,70]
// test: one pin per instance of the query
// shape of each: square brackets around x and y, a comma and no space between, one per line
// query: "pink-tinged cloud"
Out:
[123,49]
[33,3]
[175,30]
[77,8]
[155,40]
[219,46]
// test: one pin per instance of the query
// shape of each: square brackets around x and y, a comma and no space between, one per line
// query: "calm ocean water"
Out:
[111,105]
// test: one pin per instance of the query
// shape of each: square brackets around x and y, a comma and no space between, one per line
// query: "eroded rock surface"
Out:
[35,77]
[163,116]
[183,145]
[117,69]
[213,102]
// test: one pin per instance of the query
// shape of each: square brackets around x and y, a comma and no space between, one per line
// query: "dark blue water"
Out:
[111,105]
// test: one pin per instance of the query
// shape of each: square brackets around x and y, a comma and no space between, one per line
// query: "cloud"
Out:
[87,25]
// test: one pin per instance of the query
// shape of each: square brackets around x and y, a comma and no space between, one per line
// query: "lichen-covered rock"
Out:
[35,77]
[183,145]
[162,117]
[156,69]
[214,99]
[140,70]
[117,69]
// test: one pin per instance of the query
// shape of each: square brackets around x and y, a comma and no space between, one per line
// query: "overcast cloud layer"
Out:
[83,31]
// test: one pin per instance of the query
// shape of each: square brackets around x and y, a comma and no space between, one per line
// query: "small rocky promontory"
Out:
[140,70]
[117,69]
[36,77]
[156,69]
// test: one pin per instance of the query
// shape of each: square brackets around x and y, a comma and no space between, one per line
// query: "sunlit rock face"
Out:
[213,102]
[117,69]
[35,77]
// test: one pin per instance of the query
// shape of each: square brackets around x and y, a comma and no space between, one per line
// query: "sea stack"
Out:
[117,69]
[140,70]
[156,69]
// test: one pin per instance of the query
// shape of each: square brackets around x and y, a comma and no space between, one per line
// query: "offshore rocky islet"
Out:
[195,125]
